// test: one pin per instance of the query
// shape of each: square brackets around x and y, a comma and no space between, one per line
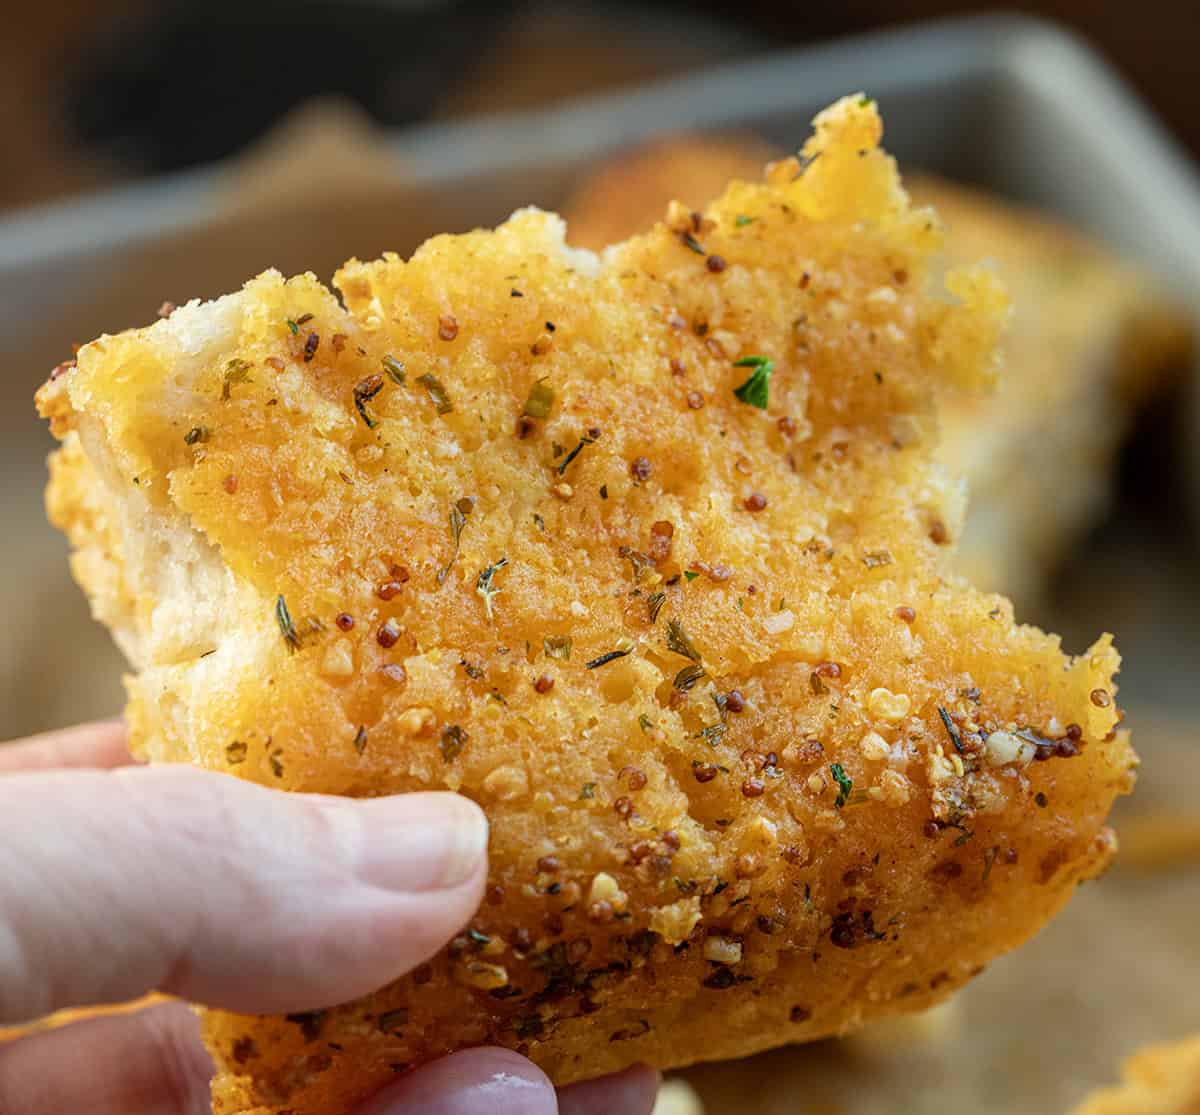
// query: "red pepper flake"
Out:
[805,279]
[640,469]
[447,327]
[931,828]
[274,362]
[394,672]
[900,276]
[230,483]
[637,779]
[167,309]
[526,427]
[495,894]
[310,347]
[905,613]
[338,341]
[828,669]
[671,839]
[787,426]
[549,864]
[755,501]
[678,367]
[388,634]
[544,683]
[62,369]
[715,263]
[734,701]
[661,534]
[705,772]
[1074,732]
[344,621]
[1100,698]
[623,807]
[399,572]
[695,400]
[938,534]
[753,788]
[388,590]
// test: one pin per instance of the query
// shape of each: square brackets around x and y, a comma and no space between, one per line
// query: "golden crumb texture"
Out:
[647,554]
[1159,1080]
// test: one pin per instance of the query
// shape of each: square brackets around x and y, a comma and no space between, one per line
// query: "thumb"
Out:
[220,891]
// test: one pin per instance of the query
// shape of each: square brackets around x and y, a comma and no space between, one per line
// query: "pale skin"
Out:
[118,879]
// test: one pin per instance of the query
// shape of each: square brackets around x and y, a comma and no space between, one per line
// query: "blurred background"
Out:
[162,151]
[100,91]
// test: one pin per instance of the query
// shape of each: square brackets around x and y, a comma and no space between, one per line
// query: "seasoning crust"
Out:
[648,555]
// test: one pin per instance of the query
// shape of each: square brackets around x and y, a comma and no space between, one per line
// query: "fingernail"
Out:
[420,842]
[473,1082]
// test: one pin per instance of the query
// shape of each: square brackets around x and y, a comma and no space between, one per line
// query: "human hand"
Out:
[117,879]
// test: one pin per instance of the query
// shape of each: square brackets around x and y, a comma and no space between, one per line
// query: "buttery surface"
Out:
[758,767]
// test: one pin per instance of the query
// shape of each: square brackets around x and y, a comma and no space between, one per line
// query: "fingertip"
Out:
[485,1081]
[631,1092]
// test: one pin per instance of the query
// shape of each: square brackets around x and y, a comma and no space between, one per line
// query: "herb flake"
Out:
[845,784]
[364,391]
[458,520]
[654,605]
[394,369]
[437,392]
[286,627]
[688,676]
[484,587]
[680,641]
[540,400]
[951,729]
[236,371]
[557,646]
[605,659]
[755,390]
[452,741]
[574,453]
[360,739]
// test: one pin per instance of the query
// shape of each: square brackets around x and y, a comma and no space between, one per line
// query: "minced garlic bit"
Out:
[606,889]
[675,923]
[883,704]
[1004,748]
[776,623]
[416,721]
[507,783]
[893,788]
[722,950]
[874,747]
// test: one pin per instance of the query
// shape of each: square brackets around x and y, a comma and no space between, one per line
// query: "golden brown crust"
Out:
[1159,1080]
[1090,338]
[677,874]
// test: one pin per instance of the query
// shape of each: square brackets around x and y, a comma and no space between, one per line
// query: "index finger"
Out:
[99,746]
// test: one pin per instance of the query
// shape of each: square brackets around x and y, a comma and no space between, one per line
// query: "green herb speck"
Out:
[755,390]
[845,785]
